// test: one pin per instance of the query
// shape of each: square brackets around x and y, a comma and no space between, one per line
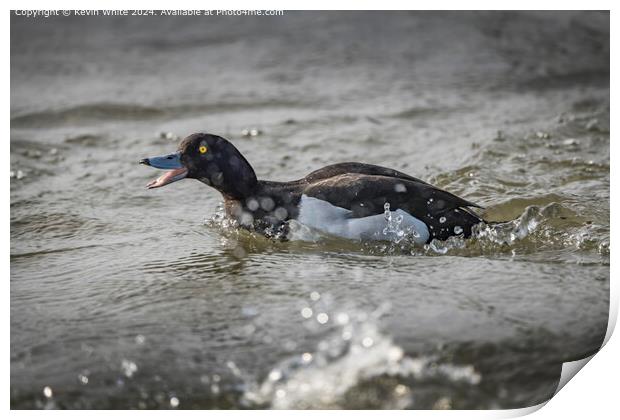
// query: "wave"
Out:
[111,111]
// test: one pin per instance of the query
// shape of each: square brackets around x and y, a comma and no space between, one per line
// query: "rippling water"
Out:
[128,298]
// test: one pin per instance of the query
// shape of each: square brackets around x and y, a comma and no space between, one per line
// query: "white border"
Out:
[593,394]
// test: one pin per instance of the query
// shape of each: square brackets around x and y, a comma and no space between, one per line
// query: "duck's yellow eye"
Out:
[202,149]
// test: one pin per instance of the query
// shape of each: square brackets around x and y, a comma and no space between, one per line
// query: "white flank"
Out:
[325,217]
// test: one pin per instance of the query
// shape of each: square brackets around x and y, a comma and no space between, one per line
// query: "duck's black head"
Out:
[210,159]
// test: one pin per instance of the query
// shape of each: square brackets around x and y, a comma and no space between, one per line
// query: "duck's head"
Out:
[210,159]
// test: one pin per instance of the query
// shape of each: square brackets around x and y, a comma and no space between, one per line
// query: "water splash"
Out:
[519,229]
[230,227]
[396,231]
[553,226]
[393,225]
[538,228]
[220,220]
[300,232]
[354,355]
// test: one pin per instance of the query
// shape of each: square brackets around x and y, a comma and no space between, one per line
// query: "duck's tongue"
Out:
[168,178]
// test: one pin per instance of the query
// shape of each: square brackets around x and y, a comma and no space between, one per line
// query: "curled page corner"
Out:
[520,412]
[613,316]
[570,369]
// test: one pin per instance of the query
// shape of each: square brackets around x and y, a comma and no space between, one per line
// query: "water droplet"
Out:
[367,342]
[400,188]
[281,213]
[275,375]
[315,296]
[280,393]
[443,403]
[458,230]
[442,219]
[83,379]
[19,174]
[267,203]
[436,247]
[400,390]
[395,354]
[322,318]
[166,135]
[306,357]
[47,391]
[306,312]
[233,368]
[252,204]
[128,367]
[322,346]
[139,339]
[174,402]
[342,318]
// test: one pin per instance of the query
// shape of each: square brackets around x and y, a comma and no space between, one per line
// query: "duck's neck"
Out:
[238,179]
[238,192]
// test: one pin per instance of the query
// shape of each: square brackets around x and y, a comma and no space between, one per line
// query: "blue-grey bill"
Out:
[172,162]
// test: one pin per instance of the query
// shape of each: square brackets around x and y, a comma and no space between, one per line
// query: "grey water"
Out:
[123,297]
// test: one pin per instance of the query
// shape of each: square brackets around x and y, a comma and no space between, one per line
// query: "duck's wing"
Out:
[357,168]
[366,195]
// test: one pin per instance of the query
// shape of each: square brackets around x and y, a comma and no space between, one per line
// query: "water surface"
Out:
[128,298]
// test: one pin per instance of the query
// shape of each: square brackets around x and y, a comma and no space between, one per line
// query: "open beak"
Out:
[176,171]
